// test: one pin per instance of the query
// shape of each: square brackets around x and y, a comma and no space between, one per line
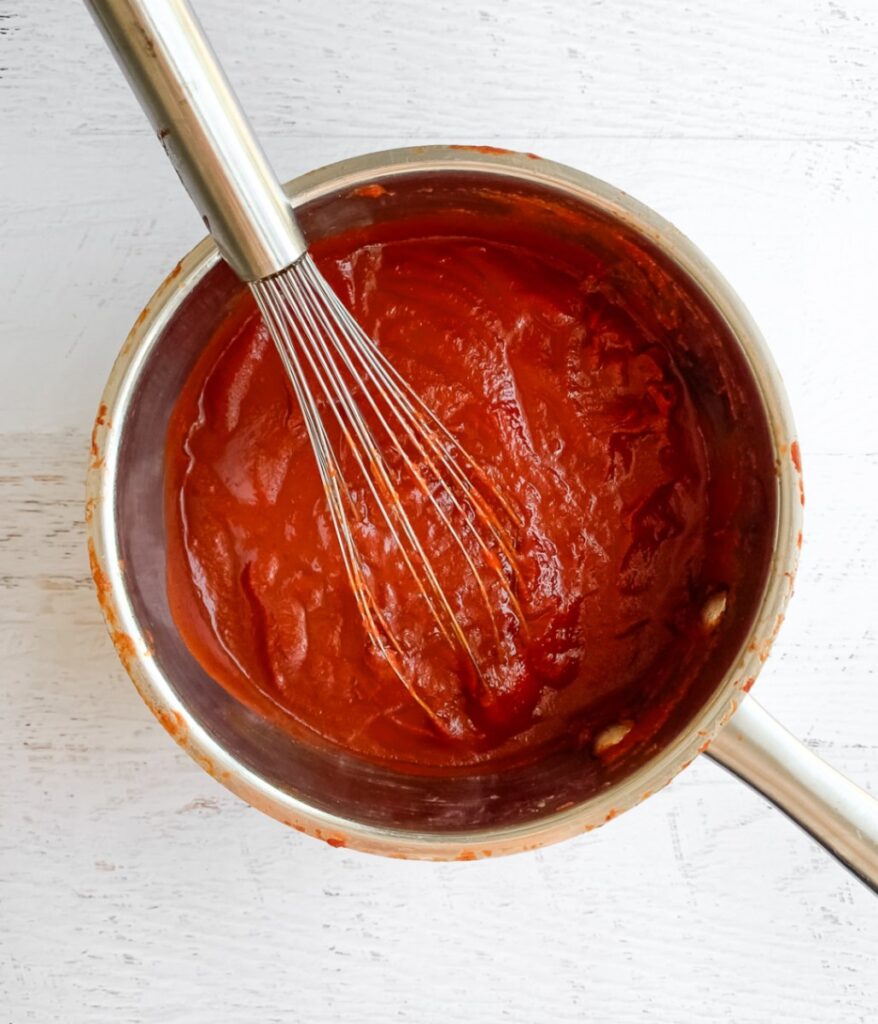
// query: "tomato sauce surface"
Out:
[638,520]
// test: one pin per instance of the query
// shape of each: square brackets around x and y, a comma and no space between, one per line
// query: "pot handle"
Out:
[837,813]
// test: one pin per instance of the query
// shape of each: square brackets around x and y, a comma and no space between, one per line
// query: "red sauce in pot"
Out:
[645,515]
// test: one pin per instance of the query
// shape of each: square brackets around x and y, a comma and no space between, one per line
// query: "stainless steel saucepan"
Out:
[336,796]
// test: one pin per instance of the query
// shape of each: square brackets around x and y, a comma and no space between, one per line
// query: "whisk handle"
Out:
[175,74]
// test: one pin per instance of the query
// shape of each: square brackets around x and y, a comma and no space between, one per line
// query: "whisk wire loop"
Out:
[332,362]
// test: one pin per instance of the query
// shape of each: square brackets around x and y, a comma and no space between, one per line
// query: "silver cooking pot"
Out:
[337,796]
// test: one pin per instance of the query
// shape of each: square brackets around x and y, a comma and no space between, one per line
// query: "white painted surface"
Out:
[134,888]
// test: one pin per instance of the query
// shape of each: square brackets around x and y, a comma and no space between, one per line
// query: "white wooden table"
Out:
[133,888]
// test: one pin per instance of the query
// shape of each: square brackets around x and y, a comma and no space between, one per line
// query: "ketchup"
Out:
[642,513]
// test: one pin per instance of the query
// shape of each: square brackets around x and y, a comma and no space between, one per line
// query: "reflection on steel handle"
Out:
[837,813]
[184,92]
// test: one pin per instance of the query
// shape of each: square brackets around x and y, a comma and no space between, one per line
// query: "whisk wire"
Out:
[319,341]
[375,452]
[351,423]
[411,412]
[335,488]
[282,327]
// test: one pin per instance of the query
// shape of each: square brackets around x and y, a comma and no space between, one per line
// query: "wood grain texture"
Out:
[792,69]
[132,887]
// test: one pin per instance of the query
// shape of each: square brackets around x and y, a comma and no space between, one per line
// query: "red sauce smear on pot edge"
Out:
[639,524]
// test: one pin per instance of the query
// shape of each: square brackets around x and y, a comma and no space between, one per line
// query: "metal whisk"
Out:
[395,444]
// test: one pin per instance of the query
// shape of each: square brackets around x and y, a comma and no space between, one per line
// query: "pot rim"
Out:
[133,645]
